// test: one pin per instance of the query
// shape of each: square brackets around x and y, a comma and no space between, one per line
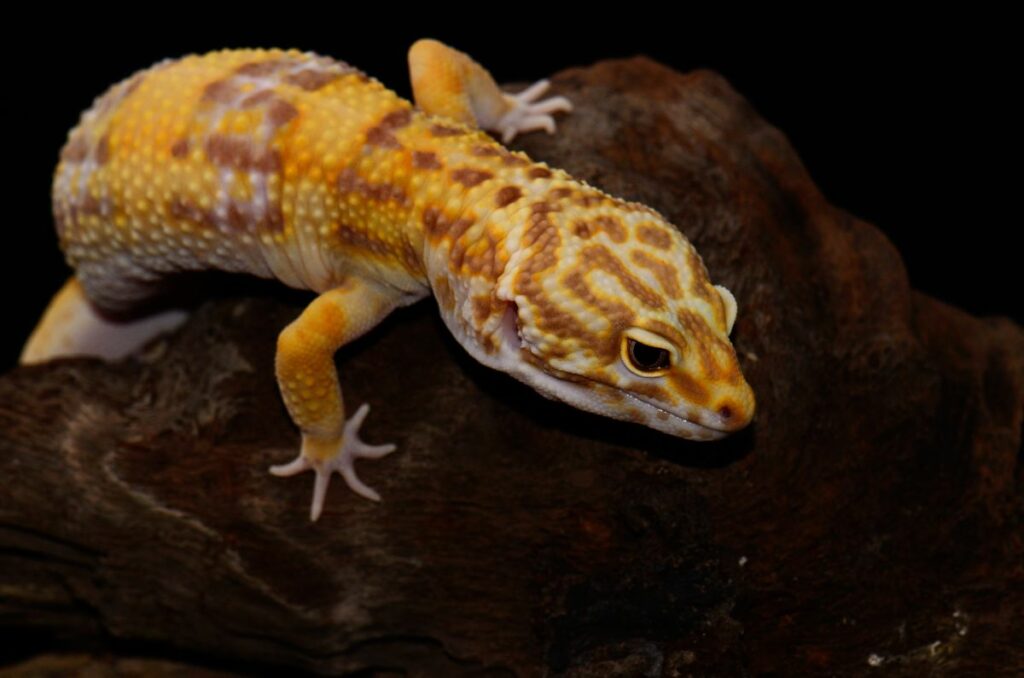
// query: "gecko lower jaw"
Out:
[675,424]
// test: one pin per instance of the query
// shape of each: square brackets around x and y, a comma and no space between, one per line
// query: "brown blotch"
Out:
[478,256]
[513,160]
[312,79]
[446,131]
[103,149]
[459,227]
[181,147]
[133,85]
[539,173]
[700,342]
[412,258]
[689,388]
[229,150]
[599,257]
[258,98]
[541,208]
[696,263]
[486,151]
[618,314]
[220,91]
[590,199]
[486,262]
[237,220]
[443,293]
[239,153]
[281,112]
[396,119]
[90,206]
[655,236]
[435,222]
[269,161]
[381,136]
[612,226]
[560,193]
[362,240]
[666,274]
[581,230]
[425,160]
[469,177]
[180,208]
[508,195]
[257,69]
[75,150]
[482,309]
[273,221]
[349,181]
[701,286]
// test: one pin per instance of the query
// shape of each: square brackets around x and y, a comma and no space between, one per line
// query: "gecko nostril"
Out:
[725,412]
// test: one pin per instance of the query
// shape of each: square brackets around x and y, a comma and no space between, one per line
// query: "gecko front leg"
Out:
[448,82]
[309,385]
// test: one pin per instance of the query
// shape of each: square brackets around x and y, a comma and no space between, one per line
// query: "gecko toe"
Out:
[349,447]
[525,113]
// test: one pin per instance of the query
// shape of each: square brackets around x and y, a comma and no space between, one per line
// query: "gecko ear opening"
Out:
[729,302]
[510,332]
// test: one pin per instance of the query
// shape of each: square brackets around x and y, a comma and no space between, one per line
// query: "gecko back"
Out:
[211,162]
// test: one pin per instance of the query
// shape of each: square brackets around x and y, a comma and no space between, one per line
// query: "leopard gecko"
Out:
[289,165]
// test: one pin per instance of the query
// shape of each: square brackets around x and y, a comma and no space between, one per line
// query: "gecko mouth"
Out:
[658,420]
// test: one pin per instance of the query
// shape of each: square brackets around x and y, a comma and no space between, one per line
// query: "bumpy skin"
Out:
[288,165]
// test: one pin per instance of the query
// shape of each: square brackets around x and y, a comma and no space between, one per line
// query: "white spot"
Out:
[743,561]
[875,660]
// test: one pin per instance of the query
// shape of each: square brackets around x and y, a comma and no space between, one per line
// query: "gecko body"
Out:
[288,165]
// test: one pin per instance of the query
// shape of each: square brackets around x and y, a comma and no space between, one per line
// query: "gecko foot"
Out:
[526,114]
[313,458]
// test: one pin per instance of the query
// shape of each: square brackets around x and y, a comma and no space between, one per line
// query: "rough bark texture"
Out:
[870,518]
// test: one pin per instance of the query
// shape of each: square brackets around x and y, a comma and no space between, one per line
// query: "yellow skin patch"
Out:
[289,165]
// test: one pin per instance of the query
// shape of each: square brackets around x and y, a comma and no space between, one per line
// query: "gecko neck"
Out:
[505,223]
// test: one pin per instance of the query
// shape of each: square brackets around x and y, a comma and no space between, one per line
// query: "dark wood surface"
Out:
[871,518]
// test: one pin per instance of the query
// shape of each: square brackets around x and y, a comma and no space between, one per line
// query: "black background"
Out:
[907,123]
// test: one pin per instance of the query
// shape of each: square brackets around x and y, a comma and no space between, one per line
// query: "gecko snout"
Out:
[734,411]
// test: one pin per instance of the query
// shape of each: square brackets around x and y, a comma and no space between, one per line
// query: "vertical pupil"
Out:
[647,357]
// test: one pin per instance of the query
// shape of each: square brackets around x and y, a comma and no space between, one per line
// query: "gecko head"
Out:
[627,325]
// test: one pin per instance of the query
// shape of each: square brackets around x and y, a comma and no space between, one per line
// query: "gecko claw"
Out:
[352,448]
[526,114]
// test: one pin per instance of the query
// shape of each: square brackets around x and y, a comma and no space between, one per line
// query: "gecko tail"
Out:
[71,326]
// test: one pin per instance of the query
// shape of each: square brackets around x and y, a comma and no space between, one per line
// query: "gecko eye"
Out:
[644,353]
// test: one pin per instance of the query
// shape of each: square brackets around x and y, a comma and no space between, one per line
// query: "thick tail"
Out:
[71,326]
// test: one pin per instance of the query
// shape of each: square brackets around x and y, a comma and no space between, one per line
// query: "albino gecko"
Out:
[288,165]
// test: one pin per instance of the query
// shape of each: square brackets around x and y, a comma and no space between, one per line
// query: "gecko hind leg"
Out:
[71,326]
[450,83]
